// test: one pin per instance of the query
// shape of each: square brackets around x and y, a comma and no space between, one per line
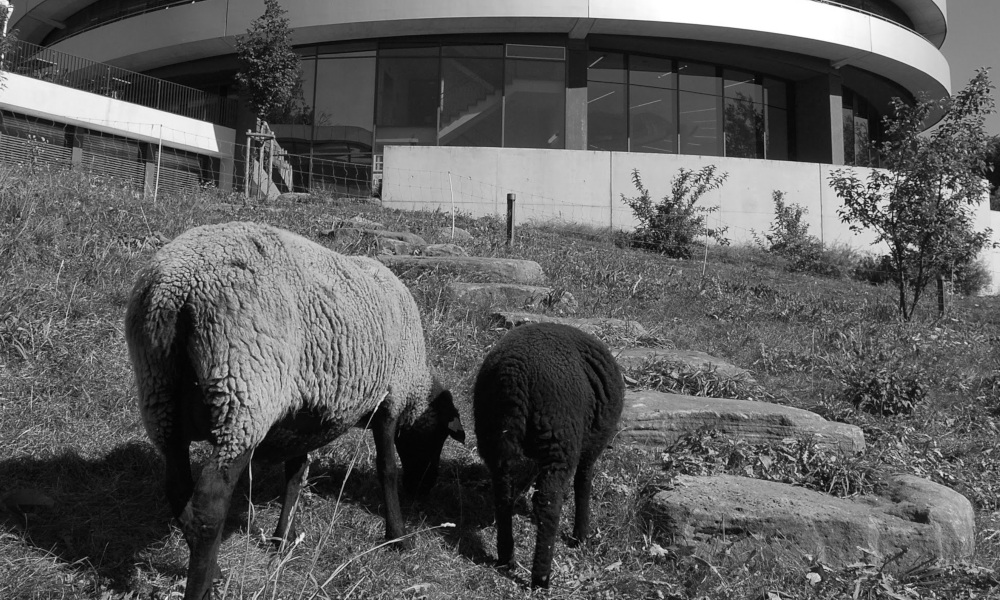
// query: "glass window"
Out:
[775,93]
[700,109]
[472,97]
[409,90]
[652,105]
[535,104]
[743,118]
[607,107]
[776,127]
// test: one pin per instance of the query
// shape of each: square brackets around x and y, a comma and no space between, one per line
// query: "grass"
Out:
[70,435]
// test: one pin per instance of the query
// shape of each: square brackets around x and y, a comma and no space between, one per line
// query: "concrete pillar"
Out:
[819,122]
[576,95]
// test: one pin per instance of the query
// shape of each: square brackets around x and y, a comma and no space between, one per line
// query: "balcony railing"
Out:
[98,78]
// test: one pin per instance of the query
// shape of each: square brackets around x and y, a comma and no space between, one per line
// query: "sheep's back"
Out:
[546,392]
[276,325]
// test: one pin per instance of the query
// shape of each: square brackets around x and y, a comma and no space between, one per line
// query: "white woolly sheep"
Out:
[551,394]
[265,344]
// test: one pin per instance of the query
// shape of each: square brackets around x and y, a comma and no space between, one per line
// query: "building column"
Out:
[576,94]
[819,121]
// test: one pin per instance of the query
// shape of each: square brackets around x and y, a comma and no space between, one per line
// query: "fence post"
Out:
[510,219]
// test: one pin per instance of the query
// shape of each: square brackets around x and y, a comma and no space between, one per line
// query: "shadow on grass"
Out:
[104,512]
[462,495]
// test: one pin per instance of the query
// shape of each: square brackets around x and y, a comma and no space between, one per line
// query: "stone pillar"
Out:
[819,121]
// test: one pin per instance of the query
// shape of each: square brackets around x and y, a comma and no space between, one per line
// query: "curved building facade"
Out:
[786,80]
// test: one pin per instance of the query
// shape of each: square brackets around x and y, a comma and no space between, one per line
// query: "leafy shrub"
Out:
[972,278]
[681,378]
[885,390]
[875,270]
[789,237]
[792,461]
[672,226]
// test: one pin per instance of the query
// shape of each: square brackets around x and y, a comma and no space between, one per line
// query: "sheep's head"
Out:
[419,444]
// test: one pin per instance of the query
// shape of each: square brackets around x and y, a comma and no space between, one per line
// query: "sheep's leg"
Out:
[295,473]
[547,501]
[203,519]
[503,500]
[582,486]
[384,432]
[179,483]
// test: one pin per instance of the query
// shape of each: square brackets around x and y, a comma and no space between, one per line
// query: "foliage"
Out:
[972,278]
[792,461]
[922,204]
[269,69]
[671,226]
[884,389]
[6,46]
[789,237]
[678,377]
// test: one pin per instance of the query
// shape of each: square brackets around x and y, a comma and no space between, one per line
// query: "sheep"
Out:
[268,345]
[552,394]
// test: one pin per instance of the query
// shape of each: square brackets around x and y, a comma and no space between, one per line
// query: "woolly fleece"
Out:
[270,324]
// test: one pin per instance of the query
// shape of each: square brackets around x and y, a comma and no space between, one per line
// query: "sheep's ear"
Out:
[455,429]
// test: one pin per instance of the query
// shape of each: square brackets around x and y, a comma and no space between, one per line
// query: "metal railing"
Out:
[78,73]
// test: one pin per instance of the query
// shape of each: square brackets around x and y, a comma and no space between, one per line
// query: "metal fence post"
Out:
[510,219]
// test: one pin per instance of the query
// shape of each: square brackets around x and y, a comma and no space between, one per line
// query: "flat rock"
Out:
[394,246]
[512,294]
[929,520]
[659,419]
[509,270]
[443,250]
[456,235]
[636,358]
[599,326]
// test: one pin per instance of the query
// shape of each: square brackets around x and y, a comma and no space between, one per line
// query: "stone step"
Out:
[636,358]
[509,270]
[927,519]
[659,419]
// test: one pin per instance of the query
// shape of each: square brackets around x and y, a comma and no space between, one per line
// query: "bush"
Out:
[969,278]
[875,270]
[789,237]
[672,226]
[972,278]
[886,390]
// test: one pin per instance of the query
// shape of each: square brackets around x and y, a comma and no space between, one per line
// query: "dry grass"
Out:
[70,437]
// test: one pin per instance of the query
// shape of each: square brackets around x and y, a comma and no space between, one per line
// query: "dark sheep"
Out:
[267,345]
[551,394]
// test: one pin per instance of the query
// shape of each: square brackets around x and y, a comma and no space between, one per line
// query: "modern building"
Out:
[786,80]
[458,103]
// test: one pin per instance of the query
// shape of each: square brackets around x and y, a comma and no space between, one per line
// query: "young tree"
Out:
[269,69]
[921,203]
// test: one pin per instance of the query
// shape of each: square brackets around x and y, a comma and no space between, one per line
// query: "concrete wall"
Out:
[587,187]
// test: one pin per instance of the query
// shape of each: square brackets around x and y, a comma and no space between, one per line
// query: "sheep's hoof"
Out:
[401,544]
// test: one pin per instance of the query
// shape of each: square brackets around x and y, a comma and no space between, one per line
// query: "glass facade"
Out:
[355,102]
[861,131]
[681,107]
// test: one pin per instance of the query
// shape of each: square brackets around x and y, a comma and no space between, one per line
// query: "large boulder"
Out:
[511,294]
[599,326]
[637,358]
[510,270]
[926,519]
[659,419]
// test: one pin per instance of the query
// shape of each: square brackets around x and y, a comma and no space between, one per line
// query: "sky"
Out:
[973,41]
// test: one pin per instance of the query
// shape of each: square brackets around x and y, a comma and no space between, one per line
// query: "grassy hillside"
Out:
[72,444]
